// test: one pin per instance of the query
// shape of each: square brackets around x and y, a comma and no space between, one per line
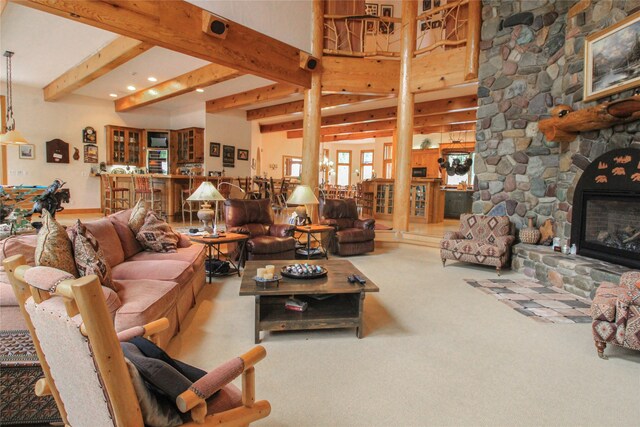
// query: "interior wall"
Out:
[190,116]
[41,121]
[228,128]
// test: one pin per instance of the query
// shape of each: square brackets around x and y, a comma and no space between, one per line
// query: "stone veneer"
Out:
[531,59]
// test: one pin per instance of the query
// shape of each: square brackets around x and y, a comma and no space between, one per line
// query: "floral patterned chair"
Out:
[615,311]
[482,239]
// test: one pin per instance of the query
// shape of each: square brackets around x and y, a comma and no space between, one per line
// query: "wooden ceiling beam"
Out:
[242,99]
[202,77]
[422,109]
[434,120]
[327,102]
[3,4]
[389,133]
[111,56]
[177,25]
[360,75]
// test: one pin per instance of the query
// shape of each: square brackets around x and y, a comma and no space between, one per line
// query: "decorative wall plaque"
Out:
[57,151]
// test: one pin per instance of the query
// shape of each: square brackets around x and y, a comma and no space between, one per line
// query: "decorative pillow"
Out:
[89,256]
[156,235]
[138,215]
[53,247]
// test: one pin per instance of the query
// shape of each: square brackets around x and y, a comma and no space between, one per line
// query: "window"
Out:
[291,166]
[344,168]
[387,160]
[366,164]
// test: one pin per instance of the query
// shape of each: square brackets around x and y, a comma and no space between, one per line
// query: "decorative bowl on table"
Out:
[303,271]
[264,282]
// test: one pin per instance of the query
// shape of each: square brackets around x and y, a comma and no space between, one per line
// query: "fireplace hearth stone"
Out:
[577,274]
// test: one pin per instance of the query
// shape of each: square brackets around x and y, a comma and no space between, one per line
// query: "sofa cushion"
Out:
[89,256]
[130,245]
[137,216]
[53,248]
[7,297]
[143,301]
[156,235]
[603,306]
[473,247]
[483,227]
[354,235]
[20,245]
[193,254]
[170,270]
[106,234]
[271,245]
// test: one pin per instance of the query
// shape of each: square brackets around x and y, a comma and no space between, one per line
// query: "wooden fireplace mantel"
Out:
[565,124]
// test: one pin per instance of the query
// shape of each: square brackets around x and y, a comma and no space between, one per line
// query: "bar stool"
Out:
[143,188]
[187,205]
[115,198]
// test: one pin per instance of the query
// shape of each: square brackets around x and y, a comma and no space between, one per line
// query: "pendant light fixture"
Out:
[12,136]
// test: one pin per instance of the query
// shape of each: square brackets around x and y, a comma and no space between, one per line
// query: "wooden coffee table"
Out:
[342,310]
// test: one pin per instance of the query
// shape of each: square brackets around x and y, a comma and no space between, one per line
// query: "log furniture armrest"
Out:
[239,229]
[194,399]
[453,235]
[281,230]
[150,330]
[365,224]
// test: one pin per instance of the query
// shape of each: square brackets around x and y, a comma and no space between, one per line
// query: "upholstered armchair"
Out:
[255,218]
[615,311]
[481,239]
[353,236]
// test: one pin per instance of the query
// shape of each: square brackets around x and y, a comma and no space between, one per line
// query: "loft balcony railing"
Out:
[443,27]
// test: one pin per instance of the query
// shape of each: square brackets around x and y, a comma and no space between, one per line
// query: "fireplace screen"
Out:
[613,223]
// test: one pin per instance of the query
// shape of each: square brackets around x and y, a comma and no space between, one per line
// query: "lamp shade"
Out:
[302,195]
[205,192]
[12,137]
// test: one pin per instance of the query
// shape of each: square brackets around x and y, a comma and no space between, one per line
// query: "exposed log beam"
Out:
[435,120]
[178,26]
[422,109]
[389,133]
[438,70]
[261,94]
[327,102]
[358,75]
[111,56]
[3,4]
[200,78]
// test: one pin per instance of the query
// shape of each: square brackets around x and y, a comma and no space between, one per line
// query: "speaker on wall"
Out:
[214,25]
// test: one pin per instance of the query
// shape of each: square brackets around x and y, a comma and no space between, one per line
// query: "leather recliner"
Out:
[353,236]
[255,218]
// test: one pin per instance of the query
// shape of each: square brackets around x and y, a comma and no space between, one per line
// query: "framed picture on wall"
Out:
[91,153]
[387,12]
[228,156]
[243,154]
[371,9]
[612,59]
[27,151]
[214,149]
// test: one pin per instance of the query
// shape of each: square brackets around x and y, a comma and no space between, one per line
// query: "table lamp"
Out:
[204,193]
[302,196]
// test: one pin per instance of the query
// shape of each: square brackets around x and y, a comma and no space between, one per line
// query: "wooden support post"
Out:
[312,113]
[402,182]
[473,40]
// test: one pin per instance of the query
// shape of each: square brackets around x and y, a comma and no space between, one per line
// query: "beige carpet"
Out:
[435,352]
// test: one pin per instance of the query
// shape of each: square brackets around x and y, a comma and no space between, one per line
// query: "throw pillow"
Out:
[138,215]
[89,256]
[156,235]
[53,247]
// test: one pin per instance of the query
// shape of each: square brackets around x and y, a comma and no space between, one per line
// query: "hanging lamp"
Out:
[12,136]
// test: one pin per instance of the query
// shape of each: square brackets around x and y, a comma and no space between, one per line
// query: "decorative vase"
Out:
[530,235]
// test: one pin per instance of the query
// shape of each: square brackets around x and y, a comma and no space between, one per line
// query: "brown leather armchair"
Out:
[255,218]
[353,236]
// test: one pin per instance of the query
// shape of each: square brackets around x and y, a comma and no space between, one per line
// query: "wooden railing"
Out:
[442,27]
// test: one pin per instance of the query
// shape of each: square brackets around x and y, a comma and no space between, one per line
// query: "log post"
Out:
[402,181]
[473,40]
[312,113]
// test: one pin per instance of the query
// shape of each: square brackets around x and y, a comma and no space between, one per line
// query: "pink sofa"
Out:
[149,285]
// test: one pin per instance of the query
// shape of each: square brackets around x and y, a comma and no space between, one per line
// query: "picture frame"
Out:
[243,154]
[228,156]
[370,27]
[27,151]
[91,153]
[214,149]
[386,27]
[612,59]
[371,9]
[89,135]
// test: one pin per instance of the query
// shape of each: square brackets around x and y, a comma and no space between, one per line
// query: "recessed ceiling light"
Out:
[152,79]
[199,90]
[130,87]
[113,95]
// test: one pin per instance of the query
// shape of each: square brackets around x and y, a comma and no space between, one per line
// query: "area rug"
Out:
[537,301]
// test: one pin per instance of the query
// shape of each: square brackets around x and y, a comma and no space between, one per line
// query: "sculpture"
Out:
[51,199]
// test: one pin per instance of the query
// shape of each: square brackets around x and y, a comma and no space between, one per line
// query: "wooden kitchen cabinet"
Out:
[427,158]
[124,146]
[189,145]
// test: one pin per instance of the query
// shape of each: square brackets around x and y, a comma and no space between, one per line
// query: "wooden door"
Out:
[198,142]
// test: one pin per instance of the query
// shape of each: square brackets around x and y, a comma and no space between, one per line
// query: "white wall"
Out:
[41,121]
[228,128]
[187,117]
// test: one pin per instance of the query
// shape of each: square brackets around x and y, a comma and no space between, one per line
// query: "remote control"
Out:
[359,279]
[351,279]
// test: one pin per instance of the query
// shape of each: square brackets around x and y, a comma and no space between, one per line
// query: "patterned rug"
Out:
[533,299]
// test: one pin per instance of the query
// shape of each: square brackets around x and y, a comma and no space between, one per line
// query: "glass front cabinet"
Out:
[426,200]
[124,146]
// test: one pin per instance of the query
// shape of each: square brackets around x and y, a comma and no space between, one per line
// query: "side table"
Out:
[310,231]
[214,252]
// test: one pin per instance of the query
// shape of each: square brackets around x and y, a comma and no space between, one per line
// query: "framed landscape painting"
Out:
[612,59]
[214,149]
[27,151]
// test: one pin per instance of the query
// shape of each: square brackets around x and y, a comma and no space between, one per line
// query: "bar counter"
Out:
[426,202]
